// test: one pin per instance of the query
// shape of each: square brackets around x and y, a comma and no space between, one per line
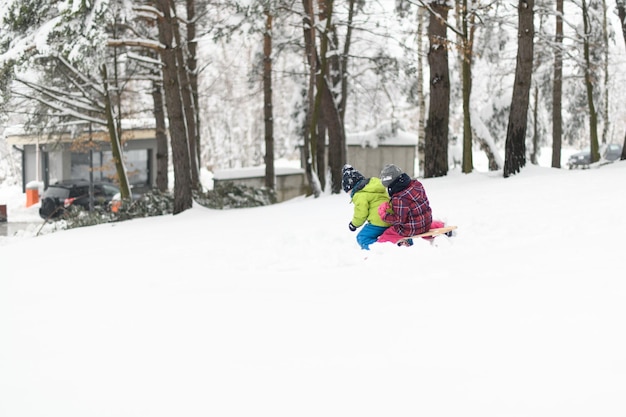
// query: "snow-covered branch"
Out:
[79,75]
[62,110]
[143,43]
[62,97]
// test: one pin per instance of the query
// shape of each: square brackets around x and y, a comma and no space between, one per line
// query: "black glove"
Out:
[352,227]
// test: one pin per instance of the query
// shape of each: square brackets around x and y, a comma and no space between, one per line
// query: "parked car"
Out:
[579,159]
[612,152]
[60,196]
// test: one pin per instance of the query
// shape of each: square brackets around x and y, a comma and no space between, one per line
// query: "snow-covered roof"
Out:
[18,135]
[383,135]
[145,123]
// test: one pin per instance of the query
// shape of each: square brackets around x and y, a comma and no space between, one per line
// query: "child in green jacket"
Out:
[367,194]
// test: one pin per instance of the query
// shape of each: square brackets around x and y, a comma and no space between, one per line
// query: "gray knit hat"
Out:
[389,173]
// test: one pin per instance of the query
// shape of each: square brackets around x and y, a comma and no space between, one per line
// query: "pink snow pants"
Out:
[390,235]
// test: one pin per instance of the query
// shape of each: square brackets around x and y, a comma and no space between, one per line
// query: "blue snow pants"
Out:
[368,235]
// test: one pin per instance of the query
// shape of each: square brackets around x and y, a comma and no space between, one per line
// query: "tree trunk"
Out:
[605,41]
[162,158]
[322,151]
[621,12]
[336,139]
[178,131]
[593,115]
[343,69]
[192,67]
[515,148]
[421,97]
[466,67]
[331,114]
[534,153]
[436,140]
[270,175]
[318,131]
[324,104]
[557,89]
[310,50]
[116,146]
[187,98]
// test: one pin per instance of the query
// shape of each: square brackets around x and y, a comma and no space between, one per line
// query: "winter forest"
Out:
[239,83]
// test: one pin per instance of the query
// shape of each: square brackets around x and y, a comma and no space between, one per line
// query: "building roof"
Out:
[131,130]
[382,135]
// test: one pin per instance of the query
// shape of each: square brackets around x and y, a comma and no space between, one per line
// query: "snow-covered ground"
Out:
[276,311]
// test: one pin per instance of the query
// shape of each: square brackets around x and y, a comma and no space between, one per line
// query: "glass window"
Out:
[79,166]
[136,162]
[137,166]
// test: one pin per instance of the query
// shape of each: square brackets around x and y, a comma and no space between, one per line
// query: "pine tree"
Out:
[63,87]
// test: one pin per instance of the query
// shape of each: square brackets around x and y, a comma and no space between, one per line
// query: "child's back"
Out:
[367,194]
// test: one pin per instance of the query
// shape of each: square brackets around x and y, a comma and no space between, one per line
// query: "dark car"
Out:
[612,152]
[579,160]
[60,196]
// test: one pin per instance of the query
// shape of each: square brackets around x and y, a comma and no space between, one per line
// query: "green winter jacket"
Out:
[367,196]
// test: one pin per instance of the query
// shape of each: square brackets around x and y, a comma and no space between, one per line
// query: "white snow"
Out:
[275,311]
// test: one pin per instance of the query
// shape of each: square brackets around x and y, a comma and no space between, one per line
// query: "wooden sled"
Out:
[430,234]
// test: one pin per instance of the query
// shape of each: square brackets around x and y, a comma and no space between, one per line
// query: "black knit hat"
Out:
[389,173]
[350,177]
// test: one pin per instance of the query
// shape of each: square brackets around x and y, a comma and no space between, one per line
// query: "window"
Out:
[137,166]
[79,166]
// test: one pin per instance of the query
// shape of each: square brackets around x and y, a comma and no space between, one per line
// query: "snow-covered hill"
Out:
[275,311]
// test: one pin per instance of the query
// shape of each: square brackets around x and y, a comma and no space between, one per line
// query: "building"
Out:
[75,156]
[290,182]
[370,151]
[48,158]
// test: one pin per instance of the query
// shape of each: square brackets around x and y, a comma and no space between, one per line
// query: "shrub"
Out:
[156,203]
[228,195]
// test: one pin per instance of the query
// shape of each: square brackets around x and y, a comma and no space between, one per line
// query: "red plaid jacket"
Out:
[412,214]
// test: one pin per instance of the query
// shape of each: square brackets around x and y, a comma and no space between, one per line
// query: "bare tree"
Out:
[467,42]
[192,68]
[436,139]
[175,110]
[589,84]
[114,134]
[605,68]
[342,64]
[324,105]
[621,12]
[267,104]
[515,148]
[421,97]
[186,95]
[332,116]
[162,158]
[557,88]
[310,133]
[338,62]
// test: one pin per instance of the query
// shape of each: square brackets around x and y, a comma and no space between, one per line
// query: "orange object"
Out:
[32,197]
